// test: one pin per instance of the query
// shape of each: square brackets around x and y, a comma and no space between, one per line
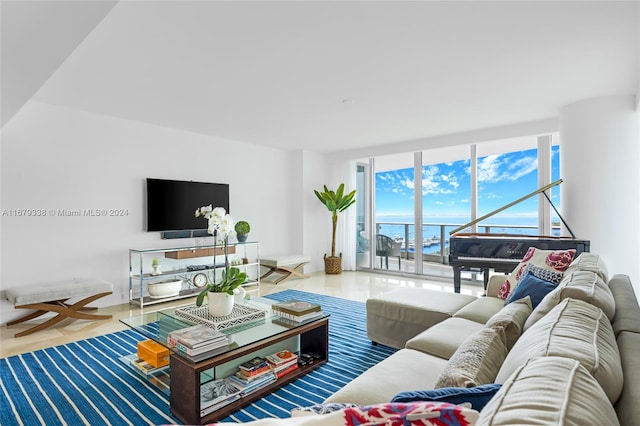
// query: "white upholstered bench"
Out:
[52,297]
[284,265]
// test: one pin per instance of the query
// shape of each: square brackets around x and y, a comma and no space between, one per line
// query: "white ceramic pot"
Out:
[220,304]
[164,289]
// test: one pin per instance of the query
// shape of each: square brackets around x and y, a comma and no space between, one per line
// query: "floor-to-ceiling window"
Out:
[393,231]
[457,185]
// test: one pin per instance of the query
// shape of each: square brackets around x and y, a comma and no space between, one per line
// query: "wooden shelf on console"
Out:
[204,252]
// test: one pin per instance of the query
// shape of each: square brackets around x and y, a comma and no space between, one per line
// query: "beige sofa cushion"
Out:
[396,316]
[404,370]
[481,309]
[573,329]
[589,262]
[512,318]
[549,391]
[476,361]
[627,310]
[444,339]
[627,406]
[583,285]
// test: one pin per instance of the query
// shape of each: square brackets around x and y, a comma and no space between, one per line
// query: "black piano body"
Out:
[500,252]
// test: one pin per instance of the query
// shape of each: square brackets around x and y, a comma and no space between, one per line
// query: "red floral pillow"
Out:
[541,263]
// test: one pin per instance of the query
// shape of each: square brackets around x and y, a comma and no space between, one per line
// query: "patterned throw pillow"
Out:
[385,414]
[320,409]
[544,262]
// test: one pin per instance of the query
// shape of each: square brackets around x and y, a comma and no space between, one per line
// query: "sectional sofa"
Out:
[571,360]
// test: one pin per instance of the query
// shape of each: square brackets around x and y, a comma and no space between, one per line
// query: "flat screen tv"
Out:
[171,204]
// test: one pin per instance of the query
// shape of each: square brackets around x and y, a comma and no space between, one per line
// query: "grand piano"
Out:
[502,252]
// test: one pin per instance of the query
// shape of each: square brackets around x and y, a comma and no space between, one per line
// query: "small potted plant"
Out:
[221,295]
[242,229]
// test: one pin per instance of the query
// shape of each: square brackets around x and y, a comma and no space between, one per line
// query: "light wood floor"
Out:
[348,285]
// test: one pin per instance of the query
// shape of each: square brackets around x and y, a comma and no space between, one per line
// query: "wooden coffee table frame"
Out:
[185,375]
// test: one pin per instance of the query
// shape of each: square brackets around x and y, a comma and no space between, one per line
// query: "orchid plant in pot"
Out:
[221,295]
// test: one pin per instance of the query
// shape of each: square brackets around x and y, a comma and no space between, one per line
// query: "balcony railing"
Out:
[432,248]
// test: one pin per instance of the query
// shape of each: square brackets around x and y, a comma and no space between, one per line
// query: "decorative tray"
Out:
[239,315]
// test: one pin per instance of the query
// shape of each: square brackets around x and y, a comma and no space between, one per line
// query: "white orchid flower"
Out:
[219,212]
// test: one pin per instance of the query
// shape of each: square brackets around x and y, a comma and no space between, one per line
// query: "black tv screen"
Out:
[171,204]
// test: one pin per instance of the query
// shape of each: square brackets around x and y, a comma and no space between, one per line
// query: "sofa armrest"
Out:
[495,282]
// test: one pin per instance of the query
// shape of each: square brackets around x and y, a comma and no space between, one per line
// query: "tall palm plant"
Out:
[336,202]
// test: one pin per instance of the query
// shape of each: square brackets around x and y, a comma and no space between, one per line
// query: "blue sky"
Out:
[445,187]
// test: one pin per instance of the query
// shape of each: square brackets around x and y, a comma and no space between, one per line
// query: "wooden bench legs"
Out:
[63,309]
[288,272]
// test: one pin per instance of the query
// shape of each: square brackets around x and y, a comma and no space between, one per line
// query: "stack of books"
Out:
[252,375]
[297,310]
[197,340]
[216,394]
[283,362]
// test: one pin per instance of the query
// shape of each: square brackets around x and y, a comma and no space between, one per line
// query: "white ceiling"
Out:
[320,76]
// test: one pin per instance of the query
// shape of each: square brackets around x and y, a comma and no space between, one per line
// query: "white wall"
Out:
[57,158]
[316,218]
[600,161]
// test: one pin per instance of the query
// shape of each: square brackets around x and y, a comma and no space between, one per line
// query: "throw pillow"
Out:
[547,260]
[413,413]
[512,318]
[320,409]
[477,396]
[398,413]
[477,360]
[533,287]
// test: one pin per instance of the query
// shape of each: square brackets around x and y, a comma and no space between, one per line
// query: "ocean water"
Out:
[397,226]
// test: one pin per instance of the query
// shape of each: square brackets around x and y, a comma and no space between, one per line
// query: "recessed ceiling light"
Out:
[348,101]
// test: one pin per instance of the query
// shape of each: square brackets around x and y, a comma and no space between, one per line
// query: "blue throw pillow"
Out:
[478,396]
[531,286]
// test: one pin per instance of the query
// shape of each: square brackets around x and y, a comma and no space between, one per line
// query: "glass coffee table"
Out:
[257,335]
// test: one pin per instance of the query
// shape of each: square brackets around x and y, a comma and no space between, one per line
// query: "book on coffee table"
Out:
[296,307]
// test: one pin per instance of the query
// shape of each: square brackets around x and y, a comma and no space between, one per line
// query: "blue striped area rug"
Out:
[86,383]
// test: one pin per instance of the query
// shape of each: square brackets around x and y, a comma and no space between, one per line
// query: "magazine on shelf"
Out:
[248,379]
[217,393]
[195,336]
[246,388]
[253,364]
[144,367]
[296,307]
[277,368]
[203,348]
[217,406]
[287,370]
[281,357]
[264,368]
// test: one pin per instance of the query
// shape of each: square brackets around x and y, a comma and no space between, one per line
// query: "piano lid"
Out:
[513,203]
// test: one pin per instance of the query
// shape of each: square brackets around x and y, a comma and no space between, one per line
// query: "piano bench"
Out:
[401,314]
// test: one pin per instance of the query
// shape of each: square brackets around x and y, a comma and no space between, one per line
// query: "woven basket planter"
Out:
[333,264]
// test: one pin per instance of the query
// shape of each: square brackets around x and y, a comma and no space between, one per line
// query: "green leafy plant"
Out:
[336,202]
[232,278]
[242,227]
